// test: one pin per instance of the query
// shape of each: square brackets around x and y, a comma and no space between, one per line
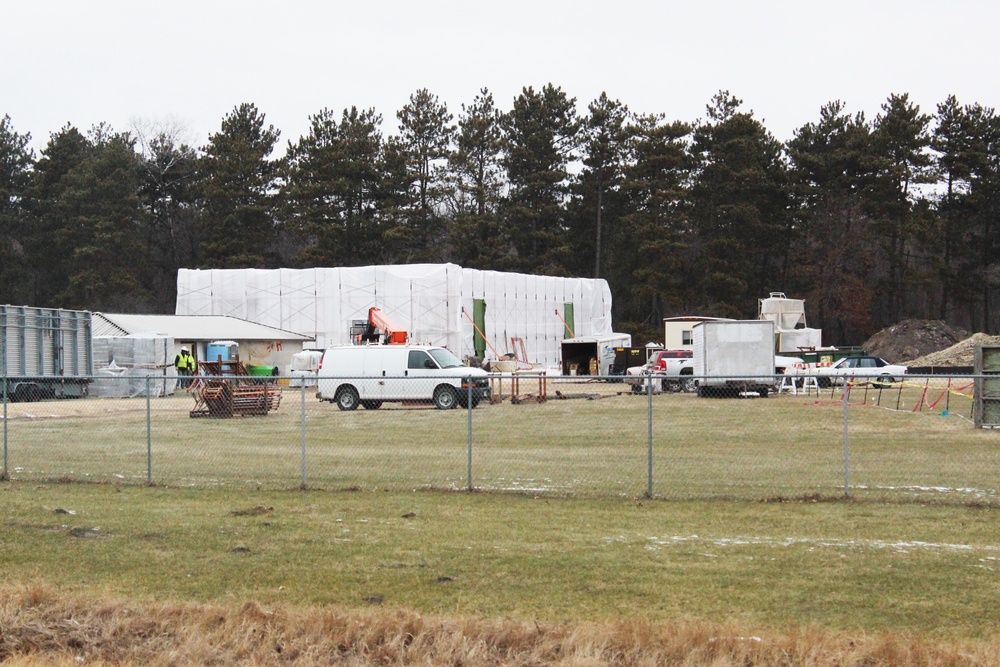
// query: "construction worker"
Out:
[186,367]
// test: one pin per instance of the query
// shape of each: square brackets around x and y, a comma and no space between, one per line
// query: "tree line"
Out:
[870,220]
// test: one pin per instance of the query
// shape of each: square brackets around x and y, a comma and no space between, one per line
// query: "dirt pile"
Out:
[909,340]
[962,353]
[920,343]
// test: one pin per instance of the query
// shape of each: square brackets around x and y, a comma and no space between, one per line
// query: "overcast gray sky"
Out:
[189,63]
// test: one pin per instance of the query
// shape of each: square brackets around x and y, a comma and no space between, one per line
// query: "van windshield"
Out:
[445,359]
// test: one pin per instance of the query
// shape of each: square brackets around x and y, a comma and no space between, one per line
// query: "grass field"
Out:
[783,446]
[747,536]
[772,570]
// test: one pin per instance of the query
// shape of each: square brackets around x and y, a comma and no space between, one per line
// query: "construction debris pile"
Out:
[235,396]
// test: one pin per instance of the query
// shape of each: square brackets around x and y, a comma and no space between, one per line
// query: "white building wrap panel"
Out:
[298,299]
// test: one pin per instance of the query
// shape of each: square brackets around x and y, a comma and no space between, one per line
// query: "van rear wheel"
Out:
[347,398]
[445,398]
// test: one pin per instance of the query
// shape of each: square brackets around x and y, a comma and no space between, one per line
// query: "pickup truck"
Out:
[673,369]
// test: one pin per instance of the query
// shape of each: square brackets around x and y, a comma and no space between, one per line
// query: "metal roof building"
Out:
[258,343]
[190,328]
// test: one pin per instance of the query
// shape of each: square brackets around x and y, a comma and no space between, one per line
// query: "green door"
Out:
[568,318]
[479,317]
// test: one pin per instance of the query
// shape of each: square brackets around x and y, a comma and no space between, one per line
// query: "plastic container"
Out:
[227,350]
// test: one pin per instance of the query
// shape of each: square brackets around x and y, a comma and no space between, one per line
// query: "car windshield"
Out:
[445,358]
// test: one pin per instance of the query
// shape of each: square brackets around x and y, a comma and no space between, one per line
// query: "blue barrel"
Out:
[228,350]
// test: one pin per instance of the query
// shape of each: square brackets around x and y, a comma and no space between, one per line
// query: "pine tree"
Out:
[335,189]
[167,180]
[831,170]
[900,141]
[475,185]
[540,140]
[426,135]
[604,134]
[237,181]
[85,240]
[740,208]
[651,250]
[16,162]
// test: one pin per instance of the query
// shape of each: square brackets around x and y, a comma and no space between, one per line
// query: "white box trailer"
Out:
[44,353]
[592,355]
[735,357]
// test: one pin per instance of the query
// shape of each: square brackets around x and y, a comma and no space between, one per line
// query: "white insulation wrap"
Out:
[433,302]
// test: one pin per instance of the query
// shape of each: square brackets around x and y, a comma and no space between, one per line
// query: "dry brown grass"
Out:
[39,626]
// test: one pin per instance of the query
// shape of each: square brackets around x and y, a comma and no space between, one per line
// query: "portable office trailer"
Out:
[678,332]
[45,353]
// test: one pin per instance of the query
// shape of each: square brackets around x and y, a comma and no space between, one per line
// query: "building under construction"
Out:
[484,314]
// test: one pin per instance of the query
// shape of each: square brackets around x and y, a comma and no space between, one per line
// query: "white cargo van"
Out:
[368,375]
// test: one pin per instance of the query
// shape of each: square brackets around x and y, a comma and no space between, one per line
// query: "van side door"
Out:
[390,374]
[368,383]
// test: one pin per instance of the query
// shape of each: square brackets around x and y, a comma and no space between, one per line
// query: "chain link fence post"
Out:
[6,474]
[469,405]
[847,441]
[302,435]
[649,436]
[149,435]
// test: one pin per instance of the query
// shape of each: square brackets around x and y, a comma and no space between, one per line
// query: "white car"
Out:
[876,370]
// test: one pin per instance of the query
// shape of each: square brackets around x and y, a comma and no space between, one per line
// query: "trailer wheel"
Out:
[26,392]
[445,397]
[347,398]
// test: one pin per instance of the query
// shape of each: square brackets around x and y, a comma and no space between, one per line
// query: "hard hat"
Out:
[185,349]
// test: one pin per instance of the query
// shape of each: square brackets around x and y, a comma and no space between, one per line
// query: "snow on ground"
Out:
[901,546]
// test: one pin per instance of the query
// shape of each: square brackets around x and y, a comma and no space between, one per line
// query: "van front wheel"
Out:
[445,397]
[347,398]
[463,402]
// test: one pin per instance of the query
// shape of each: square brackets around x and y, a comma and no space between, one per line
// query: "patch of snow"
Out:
[655,543]
[934,489]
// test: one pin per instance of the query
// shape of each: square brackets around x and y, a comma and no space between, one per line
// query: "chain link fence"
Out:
[601,437]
